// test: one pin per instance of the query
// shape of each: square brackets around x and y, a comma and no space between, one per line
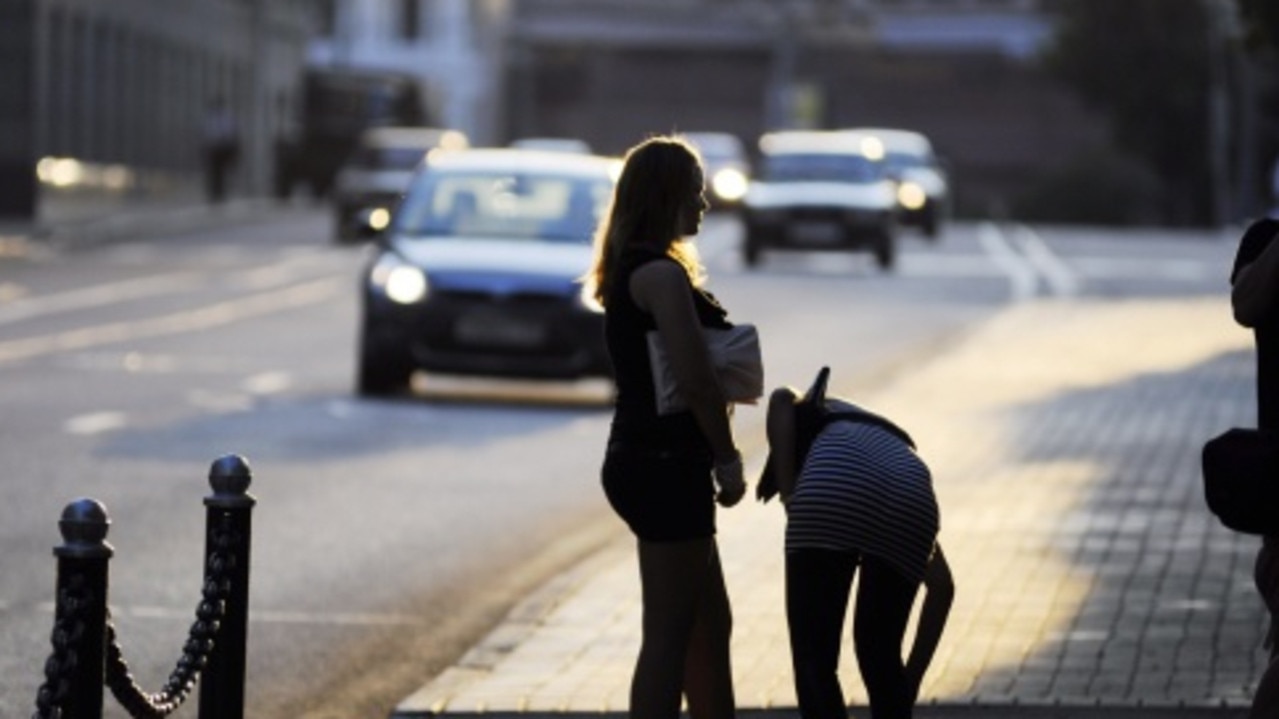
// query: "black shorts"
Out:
[663,496]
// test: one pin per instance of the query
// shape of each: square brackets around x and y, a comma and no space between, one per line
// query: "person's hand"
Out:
[729,480]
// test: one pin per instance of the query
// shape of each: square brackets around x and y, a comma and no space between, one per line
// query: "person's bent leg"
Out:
[672,578]
[817,587]
[708,673]
[884,601]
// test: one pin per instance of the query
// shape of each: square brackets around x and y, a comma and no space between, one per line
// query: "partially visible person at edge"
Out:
[664,474]
[1254,285]
[858,501]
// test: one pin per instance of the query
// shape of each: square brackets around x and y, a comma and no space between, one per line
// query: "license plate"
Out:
[489,330]
[816,233]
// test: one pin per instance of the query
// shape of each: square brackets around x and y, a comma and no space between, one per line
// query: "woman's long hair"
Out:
[659,178]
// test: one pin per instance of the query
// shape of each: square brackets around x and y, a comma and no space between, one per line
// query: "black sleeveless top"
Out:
[636,423]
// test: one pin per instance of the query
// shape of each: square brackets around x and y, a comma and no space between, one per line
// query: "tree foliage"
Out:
[1145,65]
[1260,22]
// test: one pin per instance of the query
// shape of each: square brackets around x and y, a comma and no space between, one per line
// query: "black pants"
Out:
[818,583]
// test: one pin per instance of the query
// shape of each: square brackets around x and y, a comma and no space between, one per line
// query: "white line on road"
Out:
[1023,278]
[134,289]
[95,423]
[203,318]
[1062,281]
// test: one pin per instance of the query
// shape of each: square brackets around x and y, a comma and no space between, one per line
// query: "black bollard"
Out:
[76,670]
[227,540]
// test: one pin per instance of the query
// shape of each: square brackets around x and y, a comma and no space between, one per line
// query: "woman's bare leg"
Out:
[676,579]
[708,675]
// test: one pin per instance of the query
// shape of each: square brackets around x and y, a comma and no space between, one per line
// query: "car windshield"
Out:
[896,161]
[556,208]
[819,167]
[387,158]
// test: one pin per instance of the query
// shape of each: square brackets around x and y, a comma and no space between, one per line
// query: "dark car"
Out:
[480,271]
[818,190]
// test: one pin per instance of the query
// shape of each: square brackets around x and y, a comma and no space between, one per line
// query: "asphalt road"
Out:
[389,535]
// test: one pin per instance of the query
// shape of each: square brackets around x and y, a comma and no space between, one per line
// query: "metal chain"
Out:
[195,653]
[68,629]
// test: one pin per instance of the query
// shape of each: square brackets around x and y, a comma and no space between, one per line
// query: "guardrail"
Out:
[86,653]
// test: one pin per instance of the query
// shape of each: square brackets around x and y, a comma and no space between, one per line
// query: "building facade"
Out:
[122,87]
[456,47]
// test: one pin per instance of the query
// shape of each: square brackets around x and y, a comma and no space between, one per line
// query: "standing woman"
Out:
[663,474]
[858,500]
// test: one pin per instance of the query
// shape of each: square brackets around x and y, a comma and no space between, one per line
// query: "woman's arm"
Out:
[1253,292]
[939,594]
[780,427]
[662,289]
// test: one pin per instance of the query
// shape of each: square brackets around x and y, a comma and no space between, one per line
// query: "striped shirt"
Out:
[863,490]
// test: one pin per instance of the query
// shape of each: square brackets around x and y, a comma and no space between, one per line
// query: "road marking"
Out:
[268,383]
[1023,278]
[134,289]
[1062,281]
[216,315]
[95,423]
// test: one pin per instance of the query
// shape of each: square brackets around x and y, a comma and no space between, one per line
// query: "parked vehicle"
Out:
[728,167]
[378,170]
[479,272]
[817,189]
[923,191]
[336,106]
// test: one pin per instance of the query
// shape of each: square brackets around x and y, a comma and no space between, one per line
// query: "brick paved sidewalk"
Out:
[1064,439]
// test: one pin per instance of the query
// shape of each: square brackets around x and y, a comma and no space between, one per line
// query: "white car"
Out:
[378,170]
[570,145]
[923,187]
[818,190]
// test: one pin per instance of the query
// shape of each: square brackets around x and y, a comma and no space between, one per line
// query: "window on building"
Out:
[410,19]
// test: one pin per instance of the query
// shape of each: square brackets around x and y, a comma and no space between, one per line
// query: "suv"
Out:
[923,187]
[728,168]
[817,189]
[378,171]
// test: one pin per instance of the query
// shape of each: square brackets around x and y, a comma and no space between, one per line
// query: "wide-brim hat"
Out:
[808,412]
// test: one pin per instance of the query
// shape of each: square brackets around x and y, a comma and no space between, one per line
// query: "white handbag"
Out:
[735,355]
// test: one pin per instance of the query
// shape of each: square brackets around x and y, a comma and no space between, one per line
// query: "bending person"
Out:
[857,497]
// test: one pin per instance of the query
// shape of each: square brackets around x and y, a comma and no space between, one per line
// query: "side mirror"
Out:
[371,222]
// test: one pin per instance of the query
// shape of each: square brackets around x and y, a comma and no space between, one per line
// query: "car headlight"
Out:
[399,281]
[586,298]
[729,184]
[379,218]
[911,196]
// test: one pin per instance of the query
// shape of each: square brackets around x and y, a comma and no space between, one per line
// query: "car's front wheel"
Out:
[381,372]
